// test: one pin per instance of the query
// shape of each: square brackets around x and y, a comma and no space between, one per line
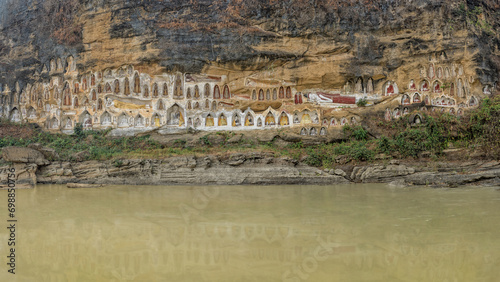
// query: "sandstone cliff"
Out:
[236,169]
[323,44]
[139,66]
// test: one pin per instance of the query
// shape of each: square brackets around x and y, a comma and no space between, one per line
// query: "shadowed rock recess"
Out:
[306,67]
[236,169]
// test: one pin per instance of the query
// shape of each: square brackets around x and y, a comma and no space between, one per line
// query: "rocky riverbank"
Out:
[33,167]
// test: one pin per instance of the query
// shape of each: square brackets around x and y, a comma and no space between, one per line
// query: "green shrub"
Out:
[78,130]
[385,145]
[359,133]
[342,149]
[314,157]
[205,141]
[324,155]
[180,142]
[362,102]
[359,151]
[411,142]
[346,129]
[296,145]
[118,163]
[484,126]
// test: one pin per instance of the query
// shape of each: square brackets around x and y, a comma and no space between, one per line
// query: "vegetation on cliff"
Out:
[402,138]
[193,34]
[81,146]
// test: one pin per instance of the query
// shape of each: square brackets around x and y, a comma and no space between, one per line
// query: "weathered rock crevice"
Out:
[239,169]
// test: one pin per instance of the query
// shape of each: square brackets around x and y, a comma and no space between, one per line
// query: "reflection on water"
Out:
[249,233]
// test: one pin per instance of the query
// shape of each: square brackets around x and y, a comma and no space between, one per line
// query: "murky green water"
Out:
[249,233]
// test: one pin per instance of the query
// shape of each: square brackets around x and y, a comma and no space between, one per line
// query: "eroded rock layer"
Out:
[237,169]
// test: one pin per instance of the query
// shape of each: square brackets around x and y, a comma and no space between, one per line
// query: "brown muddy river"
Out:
[254,233]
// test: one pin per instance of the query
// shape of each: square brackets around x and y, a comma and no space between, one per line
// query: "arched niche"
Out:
[175,115]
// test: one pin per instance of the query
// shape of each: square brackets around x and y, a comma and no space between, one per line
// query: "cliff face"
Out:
[237,169]
[322,46]
[322,43]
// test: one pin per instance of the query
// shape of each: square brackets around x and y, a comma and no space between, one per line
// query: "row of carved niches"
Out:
[439,100]
[450,79]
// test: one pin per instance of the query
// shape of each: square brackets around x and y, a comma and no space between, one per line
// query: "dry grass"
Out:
[13,130]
